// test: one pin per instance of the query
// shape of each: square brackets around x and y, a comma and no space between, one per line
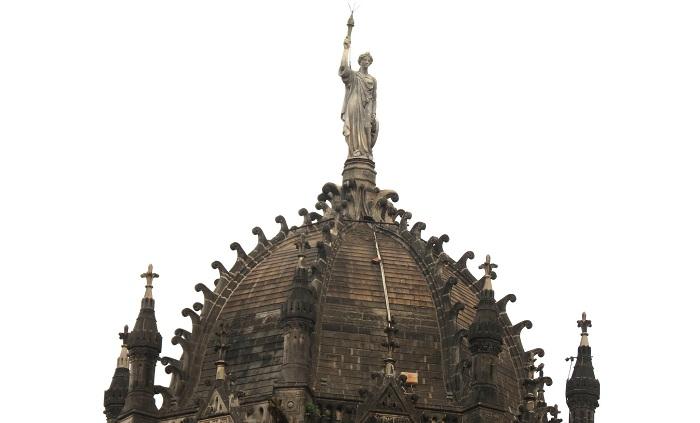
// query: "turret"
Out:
[144,345]
[485,337]
[298,318]
[583,389]
[116,394]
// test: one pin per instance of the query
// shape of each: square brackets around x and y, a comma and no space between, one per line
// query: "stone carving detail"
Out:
[356,200]
[518,327]
[503,302]
[388,418]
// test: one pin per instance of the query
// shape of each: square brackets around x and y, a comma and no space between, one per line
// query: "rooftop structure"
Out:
[350,316]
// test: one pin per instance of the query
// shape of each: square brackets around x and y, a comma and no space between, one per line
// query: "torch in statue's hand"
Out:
[351,23]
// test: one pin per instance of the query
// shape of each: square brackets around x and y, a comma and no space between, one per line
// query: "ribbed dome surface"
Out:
[349,332]
[354,318]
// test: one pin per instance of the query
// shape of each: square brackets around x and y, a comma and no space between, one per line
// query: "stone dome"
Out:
[339,275]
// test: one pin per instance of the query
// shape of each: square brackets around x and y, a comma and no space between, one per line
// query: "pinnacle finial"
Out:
[302,246]
[124,335]
[221,345]
[488,267]
[391,346]
[149,275]
[584,324]
[123,360]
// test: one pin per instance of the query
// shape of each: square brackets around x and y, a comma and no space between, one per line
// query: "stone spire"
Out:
[298,319]
[221,346]
[485,337]
[583,389]
[222,405]
[144,344]
[116,394]
[391,346]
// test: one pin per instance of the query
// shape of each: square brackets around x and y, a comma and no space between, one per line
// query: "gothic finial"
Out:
[488,274]
[123,360]
[554,412]
[149,275]
[584,324]
[391,346]
[124,335]
[220,342]
[302,245]
[221,345]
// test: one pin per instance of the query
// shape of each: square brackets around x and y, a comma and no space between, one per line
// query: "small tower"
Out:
[298,318]
[144,344]
[116,394]
[583,389]
[485,337]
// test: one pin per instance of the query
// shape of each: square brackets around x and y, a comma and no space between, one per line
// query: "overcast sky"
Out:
[558,136]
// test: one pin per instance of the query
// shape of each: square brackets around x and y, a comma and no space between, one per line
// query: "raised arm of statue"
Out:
[345,61]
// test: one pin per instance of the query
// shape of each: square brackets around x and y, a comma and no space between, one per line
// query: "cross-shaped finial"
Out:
[124,335]
[584,324]
[488,266]
[149,275]
[554,411]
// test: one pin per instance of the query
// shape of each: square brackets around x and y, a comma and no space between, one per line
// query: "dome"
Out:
[346,273]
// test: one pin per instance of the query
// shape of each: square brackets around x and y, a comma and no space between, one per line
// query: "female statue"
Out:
[360,125]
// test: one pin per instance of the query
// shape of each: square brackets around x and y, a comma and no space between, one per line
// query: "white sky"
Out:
[558,136]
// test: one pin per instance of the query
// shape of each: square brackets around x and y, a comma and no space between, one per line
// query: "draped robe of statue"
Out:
[359,107]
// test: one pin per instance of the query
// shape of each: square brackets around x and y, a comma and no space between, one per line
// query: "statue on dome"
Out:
[360,126]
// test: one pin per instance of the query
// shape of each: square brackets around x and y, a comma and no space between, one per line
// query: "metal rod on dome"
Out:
[381,268]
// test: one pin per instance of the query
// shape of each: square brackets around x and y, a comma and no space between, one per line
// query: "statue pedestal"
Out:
[360,170]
